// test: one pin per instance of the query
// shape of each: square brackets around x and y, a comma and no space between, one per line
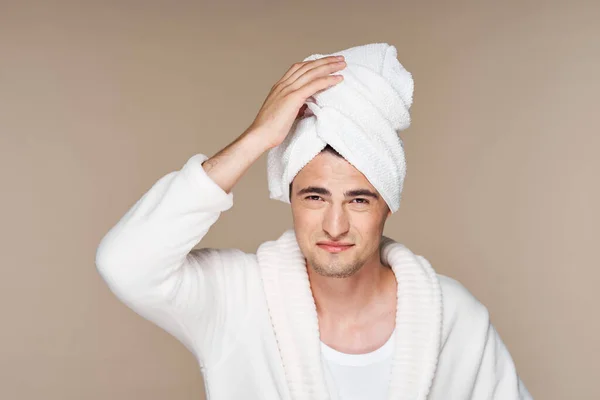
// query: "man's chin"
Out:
[335,272]
[330,266]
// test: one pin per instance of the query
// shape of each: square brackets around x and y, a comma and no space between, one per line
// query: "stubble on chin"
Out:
[334,270]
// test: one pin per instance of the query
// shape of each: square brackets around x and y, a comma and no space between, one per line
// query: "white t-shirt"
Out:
[361,376]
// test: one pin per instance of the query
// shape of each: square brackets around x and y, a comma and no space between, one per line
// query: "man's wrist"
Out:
[255,140]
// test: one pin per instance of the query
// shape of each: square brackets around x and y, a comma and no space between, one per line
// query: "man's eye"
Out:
[313,197]
[361,201]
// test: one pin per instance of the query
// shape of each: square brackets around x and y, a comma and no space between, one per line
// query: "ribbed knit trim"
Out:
[418,322]
[294,318]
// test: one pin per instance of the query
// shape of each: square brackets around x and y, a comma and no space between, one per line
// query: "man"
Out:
[332,309]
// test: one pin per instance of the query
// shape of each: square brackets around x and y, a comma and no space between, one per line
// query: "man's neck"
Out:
[345,302]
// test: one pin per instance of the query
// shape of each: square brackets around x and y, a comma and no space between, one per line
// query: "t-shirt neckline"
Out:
[359,360]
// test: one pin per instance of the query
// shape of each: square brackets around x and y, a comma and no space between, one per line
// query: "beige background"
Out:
[100,99]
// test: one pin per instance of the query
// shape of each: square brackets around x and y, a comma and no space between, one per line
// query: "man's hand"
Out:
[285,100]
[275,118]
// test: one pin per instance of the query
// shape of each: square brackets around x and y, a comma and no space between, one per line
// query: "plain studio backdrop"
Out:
[100,99]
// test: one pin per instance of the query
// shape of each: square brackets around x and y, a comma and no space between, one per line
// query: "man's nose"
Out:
[335,222]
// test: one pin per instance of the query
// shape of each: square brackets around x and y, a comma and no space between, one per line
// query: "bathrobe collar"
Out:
[294,319]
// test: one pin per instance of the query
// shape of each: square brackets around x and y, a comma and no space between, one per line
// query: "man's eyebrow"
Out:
[361,192]
[350,193]
[314,189]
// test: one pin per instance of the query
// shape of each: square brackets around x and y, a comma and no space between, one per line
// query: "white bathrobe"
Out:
[251,321]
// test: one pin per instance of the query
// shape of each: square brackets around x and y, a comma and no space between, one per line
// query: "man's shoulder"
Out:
[462,311]
[455,292]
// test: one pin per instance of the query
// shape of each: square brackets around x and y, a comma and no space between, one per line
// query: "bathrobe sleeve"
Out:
[474,363]
[149,262]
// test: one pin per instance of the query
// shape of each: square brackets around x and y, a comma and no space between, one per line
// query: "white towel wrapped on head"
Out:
[360,117]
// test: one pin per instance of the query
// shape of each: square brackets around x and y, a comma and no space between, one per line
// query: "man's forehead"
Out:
[332,173]
[336,184]
[328,166]
[333,183]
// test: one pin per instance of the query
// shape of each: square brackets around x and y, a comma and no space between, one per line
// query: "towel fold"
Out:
[360,117]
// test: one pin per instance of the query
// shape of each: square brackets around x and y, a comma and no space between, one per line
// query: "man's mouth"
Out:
[334,247]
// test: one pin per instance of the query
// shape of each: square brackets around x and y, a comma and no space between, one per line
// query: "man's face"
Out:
[338,216]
